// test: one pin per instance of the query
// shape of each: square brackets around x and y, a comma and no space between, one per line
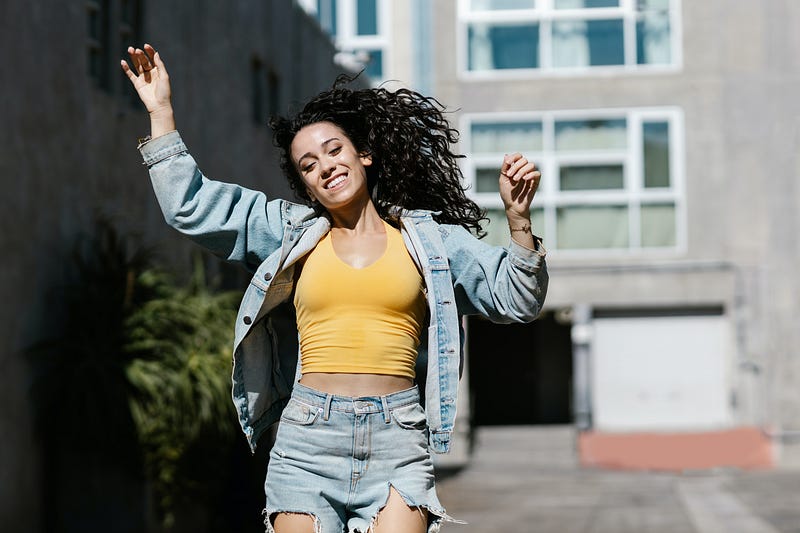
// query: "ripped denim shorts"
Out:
[336,457]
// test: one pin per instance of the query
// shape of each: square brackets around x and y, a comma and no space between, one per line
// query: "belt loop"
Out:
[327,412]
[385,404]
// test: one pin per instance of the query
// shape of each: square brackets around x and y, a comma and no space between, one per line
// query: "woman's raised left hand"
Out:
[519,180]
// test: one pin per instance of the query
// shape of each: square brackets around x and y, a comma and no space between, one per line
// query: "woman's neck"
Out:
[359,219]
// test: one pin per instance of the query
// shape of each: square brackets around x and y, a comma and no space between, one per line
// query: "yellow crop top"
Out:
[361,321]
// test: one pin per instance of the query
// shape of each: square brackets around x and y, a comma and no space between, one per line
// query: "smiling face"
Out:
[333,171]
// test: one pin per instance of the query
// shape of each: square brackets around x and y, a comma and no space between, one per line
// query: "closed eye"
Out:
[335,150]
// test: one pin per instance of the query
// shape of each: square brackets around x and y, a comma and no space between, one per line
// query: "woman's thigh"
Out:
[398,517]
[293,523]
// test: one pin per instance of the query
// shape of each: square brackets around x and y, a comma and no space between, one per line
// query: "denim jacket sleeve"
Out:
[233,222]
[502,284]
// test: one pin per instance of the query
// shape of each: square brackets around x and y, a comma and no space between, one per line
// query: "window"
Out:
[130,26]
[611,178]
[112,26]
[97,42]
[258,91]
[265,92]
[551,36]
[360,29]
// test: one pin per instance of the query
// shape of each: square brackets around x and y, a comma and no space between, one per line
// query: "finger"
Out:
[150,52]
[142,62]
[528,172]
[162,69]
[509,160]
[517,169]
[132,59]
[127,70]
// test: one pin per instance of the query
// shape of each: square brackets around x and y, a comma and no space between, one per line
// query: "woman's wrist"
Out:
[162,121]
[516,220]
[520,228]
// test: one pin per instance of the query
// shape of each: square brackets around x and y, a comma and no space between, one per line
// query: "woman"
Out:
[381,254]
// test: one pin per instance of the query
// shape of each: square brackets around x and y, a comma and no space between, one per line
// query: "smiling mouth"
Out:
[335,182]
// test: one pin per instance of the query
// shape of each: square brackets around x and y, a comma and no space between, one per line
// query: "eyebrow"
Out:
[325,143]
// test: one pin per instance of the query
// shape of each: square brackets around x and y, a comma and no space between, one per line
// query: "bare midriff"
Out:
[355,385]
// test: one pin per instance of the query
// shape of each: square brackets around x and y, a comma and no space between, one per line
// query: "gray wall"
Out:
[68,149]
[738,91]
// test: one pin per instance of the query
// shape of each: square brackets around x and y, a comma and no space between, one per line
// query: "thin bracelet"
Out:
[525,227]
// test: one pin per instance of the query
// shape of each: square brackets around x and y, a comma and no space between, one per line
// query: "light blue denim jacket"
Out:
[462,275]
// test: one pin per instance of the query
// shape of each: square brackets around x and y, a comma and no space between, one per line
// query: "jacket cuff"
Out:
[439,441]
[161,148]
[526,253]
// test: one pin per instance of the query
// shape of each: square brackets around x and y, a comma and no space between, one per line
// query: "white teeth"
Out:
[334,182]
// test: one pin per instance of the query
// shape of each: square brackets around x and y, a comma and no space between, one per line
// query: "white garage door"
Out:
[661,373]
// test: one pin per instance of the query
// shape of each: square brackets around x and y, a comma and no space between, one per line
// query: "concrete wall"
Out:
[68,149]
[737,90]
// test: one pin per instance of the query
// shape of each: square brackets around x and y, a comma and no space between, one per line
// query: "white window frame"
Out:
[347,39]
[633,195]
[544,13]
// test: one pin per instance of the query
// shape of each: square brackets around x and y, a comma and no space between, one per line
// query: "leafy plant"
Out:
[180,374]
[138,375]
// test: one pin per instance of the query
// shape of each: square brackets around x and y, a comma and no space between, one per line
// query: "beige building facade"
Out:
[667,132]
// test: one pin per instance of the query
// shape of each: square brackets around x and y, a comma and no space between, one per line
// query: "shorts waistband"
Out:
[357,405]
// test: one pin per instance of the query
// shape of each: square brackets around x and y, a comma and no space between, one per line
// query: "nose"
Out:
[328,166]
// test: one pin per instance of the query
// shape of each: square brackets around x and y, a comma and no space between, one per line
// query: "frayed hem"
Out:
[269,513]
[435,518]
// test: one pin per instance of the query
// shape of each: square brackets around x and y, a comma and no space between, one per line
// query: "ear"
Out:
[366,158]
[311,196]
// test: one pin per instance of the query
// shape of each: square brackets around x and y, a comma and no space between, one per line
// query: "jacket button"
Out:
[268,276]
[248,320]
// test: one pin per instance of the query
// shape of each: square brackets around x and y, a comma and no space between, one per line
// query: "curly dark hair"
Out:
[409,140]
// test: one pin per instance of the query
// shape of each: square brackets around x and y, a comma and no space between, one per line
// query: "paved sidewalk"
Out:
[527,480]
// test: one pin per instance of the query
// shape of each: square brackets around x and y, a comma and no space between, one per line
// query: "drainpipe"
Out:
[581,365]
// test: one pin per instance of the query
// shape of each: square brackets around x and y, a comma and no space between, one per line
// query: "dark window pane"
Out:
[128,10]
[94,24]
[486,180]
[326,14]
[503,47]
[652,4]
[658,225]
[497,5]
[593,134]
[656,154]
[506,137]
[582,43]
[95,64]
[273,94]
[367,17]
[592,227]
[374,67]
[579,4]
[606,42]
[591,177]
[653,39]
[98,46]
[257,91]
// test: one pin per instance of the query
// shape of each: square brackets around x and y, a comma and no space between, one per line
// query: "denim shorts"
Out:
[336,457]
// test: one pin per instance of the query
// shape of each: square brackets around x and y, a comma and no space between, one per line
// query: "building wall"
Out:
[68,150]
[735,87]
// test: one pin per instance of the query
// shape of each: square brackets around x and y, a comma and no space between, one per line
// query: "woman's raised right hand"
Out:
[150,79]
